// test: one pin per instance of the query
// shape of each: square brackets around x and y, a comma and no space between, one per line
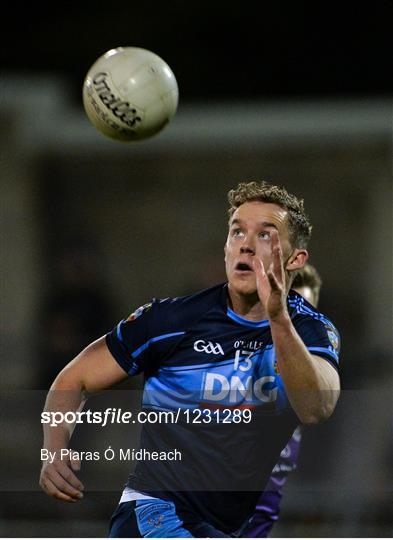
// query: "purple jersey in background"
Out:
[268,507]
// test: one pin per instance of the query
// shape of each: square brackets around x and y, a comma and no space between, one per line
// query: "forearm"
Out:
[93,370]
[311,383]
[64,396]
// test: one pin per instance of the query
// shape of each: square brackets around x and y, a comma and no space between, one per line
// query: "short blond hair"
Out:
[299,226]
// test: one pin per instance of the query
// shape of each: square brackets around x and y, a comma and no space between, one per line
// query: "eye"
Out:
[265,235]
[237,232]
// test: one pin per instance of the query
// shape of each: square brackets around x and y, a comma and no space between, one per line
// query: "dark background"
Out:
[219,50]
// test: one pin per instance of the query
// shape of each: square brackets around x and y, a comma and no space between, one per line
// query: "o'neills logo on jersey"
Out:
[121,109]
[208,347]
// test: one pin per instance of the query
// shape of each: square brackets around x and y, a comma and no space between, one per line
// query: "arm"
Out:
[93,370]
[311,383]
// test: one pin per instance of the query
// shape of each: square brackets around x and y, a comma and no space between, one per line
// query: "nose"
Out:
[247,248]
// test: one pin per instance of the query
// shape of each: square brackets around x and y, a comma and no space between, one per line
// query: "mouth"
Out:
[243,268]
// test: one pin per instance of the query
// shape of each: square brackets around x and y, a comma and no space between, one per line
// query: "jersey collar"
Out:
[238,318]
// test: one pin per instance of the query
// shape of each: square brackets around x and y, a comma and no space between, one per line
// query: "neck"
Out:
[248,306]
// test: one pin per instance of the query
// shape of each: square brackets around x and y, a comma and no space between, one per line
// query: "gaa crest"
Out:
[333,339]
[138,312]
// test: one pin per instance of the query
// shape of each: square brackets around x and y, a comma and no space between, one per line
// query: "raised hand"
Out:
[271,282]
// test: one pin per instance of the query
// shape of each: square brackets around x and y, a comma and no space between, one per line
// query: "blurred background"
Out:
[298,95]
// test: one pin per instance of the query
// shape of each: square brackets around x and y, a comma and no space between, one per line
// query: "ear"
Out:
[296,260]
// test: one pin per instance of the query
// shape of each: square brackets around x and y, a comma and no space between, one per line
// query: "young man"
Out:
[240,365]
[307,283]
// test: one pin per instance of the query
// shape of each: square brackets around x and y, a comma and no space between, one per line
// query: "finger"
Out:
[75,464]
[258,267]
[69,476]
[262,282]
[277,256]
[63,486]
[50,488]
[274,285]
[260,273]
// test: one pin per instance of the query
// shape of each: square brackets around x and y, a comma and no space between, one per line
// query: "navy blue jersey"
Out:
[202,361]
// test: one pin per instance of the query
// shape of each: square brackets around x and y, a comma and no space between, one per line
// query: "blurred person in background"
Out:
[76,309]
[251,344]
[307,282]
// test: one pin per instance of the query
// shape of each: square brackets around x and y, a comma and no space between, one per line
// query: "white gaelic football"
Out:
[130,94]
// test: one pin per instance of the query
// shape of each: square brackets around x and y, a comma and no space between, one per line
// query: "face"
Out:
[249,235]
